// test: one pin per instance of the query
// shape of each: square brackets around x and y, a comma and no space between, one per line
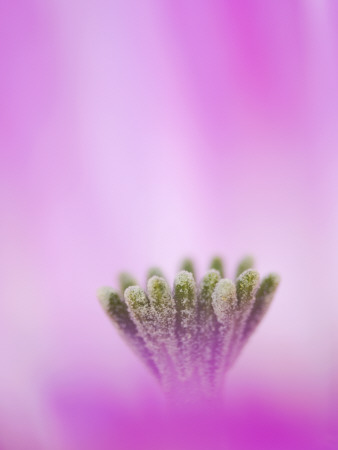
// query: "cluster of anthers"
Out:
[191,335]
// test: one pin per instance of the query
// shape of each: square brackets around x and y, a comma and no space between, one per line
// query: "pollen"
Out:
[190,336]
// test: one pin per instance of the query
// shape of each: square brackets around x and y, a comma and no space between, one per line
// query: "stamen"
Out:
[190,337]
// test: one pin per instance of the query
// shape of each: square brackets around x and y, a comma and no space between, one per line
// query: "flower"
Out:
[191,335]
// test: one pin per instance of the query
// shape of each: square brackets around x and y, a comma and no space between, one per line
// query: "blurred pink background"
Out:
[137,133]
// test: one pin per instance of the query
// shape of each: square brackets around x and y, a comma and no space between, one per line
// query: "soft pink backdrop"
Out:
[136,133]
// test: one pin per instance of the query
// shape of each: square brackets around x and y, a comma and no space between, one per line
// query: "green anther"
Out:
[245,264]
[154,271]
[188,266]
[135,297]
[126,280]
[224,300]
[207,287]
[184,290]
[207,327]
[185,299]
[246,287]
[268,286]
[137,302]
[217,264]
[108,298]
[163,309]
[117,310]
[186,328]
[264,297]
[159,292]
[115,307]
